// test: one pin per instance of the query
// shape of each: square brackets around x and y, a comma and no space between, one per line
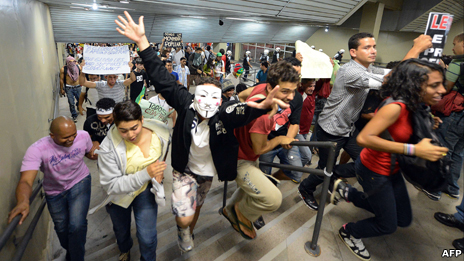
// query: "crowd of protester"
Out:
[226,128]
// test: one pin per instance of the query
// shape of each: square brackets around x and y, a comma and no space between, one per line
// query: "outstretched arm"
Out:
[23,193]
[133,31]
[83,81]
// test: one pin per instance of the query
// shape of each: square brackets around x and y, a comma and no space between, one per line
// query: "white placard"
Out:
[315,64]
[106,60]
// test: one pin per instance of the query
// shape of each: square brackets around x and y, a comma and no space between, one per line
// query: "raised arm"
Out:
[23,193]
[164,82]
[83,81]
[421,43]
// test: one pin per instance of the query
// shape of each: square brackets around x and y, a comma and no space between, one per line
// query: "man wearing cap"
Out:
[141,79]
[262,74]
[219,67]
[98,124]
[69,84]
[66,182]
[228,90]
[235,76]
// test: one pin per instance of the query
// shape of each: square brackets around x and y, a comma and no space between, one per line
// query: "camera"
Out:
[221,23]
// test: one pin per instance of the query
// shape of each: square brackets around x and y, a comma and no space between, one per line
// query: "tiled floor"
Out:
[285,234]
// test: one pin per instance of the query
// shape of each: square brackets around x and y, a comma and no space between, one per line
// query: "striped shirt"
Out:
[348,95]
[454,74]
[116,93]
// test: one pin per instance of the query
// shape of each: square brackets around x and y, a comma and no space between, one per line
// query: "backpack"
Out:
[423,174]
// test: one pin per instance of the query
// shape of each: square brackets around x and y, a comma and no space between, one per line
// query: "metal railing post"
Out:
[311,247]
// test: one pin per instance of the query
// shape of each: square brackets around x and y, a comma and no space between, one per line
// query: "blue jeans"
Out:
[305,152]
[69,214]
[72,93]
[451,134]
[348,143]
[145,213]
[389,203]
[460,214]
[290,157]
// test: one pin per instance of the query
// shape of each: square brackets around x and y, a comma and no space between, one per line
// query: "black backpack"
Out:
[423,174]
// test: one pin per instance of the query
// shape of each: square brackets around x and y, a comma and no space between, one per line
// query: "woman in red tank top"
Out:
[413,81]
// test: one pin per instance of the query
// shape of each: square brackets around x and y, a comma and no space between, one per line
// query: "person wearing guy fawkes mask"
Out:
[203,141]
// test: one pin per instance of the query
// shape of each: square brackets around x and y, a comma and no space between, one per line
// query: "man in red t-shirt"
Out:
[256,194]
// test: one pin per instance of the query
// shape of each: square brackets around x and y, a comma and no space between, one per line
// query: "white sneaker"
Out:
[184,239]
[355,245]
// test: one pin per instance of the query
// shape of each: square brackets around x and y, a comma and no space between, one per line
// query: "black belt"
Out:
[70,86]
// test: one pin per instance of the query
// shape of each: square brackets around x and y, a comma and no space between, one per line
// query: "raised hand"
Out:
[270,103]
[133,31]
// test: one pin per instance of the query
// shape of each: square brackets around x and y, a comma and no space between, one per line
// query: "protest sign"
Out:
[106,60]
[173,40]
[438,27]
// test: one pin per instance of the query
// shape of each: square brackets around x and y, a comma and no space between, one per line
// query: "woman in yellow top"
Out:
[129,167]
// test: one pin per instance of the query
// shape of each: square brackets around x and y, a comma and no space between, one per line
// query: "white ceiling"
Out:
[276,21]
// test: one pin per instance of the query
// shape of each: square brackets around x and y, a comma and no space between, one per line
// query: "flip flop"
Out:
[232,223]
[240,223]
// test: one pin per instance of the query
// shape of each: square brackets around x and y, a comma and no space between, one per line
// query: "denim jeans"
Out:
[347,143]
[72,93]
[69,214]
[389,203]
[460,214]
[145,213]
[290,157]
[305,152]
[451,134]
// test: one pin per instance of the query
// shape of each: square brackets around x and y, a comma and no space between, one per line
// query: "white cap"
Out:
[312,46]
[320,50]
[277,48]
[342,50]
[229,52]
[266,51]
[247,52]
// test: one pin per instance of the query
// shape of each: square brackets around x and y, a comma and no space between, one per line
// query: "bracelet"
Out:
[409,149]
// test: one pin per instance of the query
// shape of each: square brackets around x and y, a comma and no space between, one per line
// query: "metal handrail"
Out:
[14,223]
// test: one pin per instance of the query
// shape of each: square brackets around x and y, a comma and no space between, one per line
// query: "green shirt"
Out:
[454,74]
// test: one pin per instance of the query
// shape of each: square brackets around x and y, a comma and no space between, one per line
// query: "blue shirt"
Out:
[175,74]
[261,76]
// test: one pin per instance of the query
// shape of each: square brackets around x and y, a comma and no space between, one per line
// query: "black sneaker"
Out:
[74,119]
[451,194]
[342,189]
[355,245]
[259,223]
[435,196]
[459,244]
[308,198]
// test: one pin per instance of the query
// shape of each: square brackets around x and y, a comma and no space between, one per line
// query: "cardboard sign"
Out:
[154,111]
[438,27]
[106,60]
[173,40]
[315,64]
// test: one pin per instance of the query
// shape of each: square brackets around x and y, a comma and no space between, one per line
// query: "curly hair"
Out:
[105,103]
[282,71]
[406,81]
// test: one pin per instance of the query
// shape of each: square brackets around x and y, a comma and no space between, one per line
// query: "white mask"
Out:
[207,100]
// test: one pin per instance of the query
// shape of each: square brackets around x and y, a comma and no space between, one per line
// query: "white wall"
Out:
[391,46]
[28,73]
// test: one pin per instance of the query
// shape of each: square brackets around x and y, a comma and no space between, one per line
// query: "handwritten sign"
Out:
[315,64]
[438,27]
[106,60]
[172,40]
[154,111]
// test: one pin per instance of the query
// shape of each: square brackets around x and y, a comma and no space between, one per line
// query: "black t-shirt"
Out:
[137,86]
[95,128]
[296,106]
[373,101]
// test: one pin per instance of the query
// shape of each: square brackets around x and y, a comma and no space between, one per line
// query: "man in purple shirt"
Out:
[66,182]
